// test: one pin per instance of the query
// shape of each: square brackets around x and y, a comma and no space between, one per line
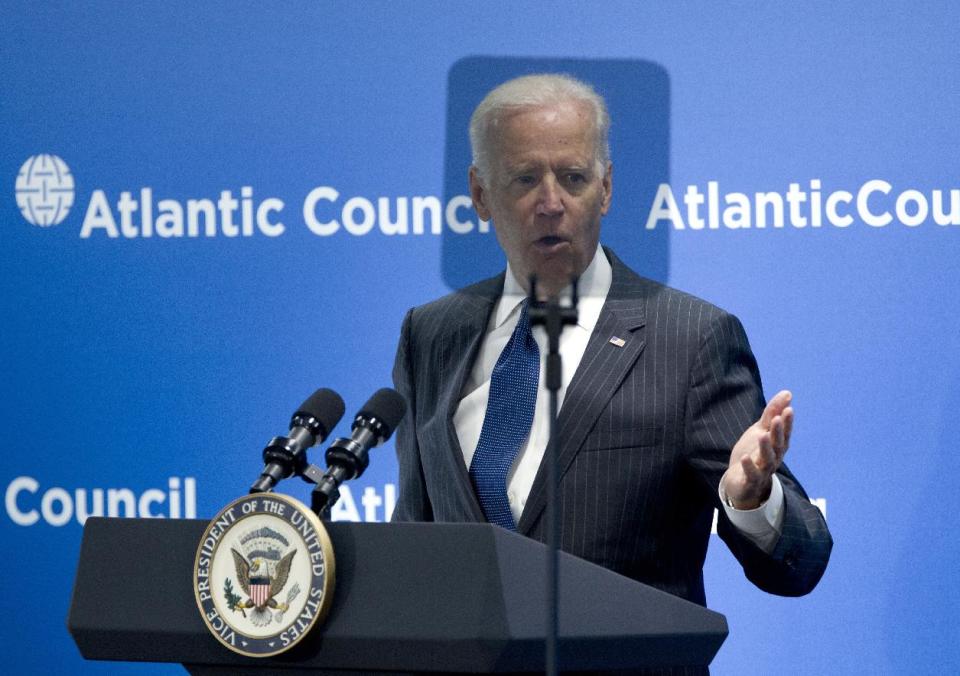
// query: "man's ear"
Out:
[478,194]
[607,189]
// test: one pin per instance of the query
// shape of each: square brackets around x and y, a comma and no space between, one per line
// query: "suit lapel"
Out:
[601,371]
[459,353]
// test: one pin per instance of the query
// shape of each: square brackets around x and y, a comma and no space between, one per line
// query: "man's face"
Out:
[545,194]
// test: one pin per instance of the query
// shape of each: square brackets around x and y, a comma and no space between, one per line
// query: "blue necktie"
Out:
[513,397]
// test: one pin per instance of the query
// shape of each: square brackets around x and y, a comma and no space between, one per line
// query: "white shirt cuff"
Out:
[761,525]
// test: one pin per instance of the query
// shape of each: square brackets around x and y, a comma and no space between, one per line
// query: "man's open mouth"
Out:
[549,242]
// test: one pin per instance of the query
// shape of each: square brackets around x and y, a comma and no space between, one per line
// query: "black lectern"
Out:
[410,598]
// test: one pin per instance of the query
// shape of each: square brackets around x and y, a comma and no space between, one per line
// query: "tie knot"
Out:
[523,323]
[522,337]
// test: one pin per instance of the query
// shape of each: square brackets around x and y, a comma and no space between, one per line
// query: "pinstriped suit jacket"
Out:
[645,434]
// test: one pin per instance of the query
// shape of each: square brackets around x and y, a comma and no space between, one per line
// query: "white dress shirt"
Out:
[762,525]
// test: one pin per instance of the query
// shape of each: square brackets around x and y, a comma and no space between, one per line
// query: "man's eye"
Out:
[525,179]
[576,178]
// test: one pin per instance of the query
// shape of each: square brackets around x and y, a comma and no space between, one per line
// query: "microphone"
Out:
[312,422]
[348,458]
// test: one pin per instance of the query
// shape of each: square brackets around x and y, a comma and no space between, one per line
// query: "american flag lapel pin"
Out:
[619,342]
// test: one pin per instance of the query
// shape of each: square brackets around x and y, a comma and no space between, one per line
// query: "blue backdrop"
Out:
[207,212]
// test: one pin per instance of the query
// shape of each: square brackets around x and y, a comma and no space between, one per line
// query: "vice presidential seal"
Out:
[264,574]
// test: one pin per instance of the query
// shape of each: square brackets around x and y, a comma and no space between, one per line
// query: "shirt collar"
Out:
[593,288]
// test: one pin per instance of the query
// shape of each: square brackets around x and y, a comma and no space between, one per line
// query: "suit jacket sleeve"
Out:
[724,398]
[413,503]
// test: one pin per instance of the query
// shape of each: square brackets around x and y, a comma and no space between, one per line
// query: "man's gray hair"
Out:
[534,91]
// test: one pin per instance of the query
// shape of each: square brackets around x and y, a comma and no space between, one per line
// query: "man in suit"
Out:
[662,415]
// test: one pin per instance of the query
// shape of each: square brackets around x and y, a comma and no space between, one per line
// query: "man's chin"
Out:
[552,282]
[553,272]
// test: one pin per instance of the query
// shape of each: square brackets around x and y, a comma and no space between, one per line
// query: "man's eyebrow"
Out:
[537,166]
[522,168]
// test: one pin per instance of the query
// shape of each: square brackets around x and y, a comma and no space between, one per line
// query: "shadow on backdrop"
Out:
[638,98]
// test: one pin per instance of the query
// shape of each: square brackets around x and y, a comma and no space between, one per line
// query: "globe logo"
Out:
[44,190]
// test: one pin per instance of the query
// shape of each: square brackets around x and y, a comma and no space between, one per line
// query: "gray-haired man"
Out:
[662,414]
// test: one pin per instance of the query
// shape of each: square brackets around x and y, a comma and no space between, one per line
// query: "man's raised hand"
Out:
[758,454]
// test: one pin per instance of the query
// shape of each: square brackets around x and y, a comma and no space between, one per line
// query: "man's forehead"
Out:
[544,114]
[542,128]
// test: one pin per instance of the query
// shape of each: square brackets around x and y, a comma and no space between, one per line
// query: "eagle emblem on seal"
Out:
[262,572]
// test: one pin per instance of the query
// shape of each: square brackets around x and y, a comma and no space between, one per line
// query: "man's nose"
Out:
[550,199]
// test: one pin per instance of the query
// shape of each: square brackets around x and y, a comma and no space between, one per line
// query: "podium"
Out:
[409,598]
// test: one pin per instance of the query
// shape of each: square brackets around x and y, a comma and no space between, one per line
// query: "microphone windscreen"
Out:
[326,406]
[387,406]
